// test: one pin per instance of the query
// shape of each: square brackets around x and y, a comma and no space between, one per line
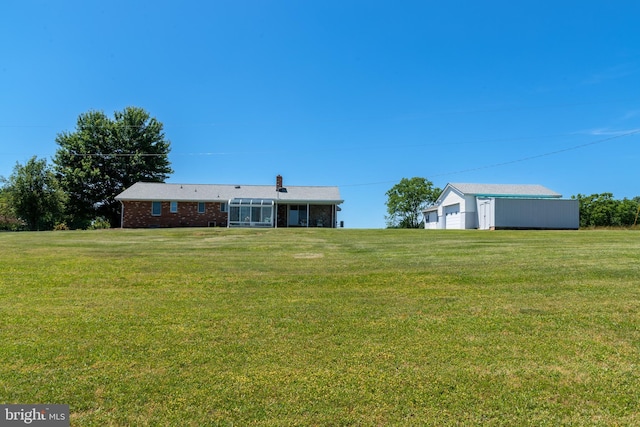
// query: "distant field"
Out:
[323,327]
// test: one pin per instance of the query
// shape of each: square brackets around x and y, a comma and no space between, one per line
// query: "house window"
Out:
[156,208]
[201,207]
[224,207]
[174,207]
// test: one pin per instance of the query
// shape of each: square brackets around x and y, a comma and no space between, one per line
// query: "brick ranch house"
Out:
[147,204]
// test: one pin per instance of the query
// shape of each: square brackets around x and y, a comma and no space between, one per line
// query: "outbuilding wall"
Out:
[464,205]
[553,214]
[431,220]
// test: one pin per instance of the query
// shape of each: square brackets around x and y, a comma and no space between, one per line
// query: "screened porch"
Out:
[251,213]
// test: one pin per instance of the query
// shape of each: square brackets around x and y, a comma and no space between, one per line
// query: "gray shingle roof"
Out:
[223,192]
[505,190]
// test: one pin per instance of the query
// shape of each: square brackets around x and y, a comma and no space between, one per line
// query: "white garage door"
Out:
[452,216]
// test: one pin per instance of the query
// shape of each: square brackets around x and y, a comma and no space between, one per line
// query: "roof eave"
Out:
[222,200]
[518,196]
[307,201]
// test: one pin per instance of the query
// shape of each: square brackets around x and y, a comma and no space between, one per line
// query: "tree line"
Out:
[407,199]
[102,157]
[602,210]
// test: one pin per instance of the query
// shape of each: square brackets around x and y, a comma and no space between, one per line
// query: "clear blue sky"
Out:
[357,94]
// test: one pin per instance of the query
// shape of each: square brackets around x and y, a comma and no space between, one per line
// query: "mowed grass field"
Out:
[323,327]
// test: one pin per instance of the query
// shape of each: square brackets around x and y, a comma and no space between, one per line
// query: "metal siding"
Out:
[536,213]
[447,201]
[431,220]
[469,213]
[452,198]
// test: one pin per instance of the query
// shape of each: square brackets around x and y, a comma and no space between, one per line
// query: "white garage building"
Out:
[501,206]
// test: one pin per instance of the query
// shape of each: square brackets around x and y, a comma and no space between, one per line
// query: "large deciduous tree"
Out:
[104,156]
[35,195]
[407,199]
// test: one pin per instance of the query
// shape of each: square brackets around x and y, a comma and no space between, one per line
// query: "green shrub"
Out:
[99,223]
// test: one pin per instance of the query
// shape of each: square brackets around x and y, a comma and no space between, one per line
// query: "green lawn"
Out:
[323,327]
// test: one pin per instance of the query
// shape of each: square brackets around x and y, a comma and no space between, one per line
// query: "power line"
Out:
[119,154]
[342,149]
[550,153]
[523,159]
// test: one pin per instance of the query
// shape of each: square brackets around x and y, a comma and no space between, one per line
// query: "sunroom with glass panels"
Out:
[251,213]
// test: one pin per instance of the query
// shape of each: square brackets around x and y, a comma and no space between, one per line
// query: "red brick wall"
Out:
[138,215]
[282,216]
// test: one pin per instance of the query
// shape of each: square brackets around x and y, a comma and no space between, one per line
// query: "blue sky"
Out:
[357,94]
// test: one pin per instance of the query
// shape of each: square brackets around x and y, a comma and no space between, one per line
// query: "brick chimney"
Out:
[278,182]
